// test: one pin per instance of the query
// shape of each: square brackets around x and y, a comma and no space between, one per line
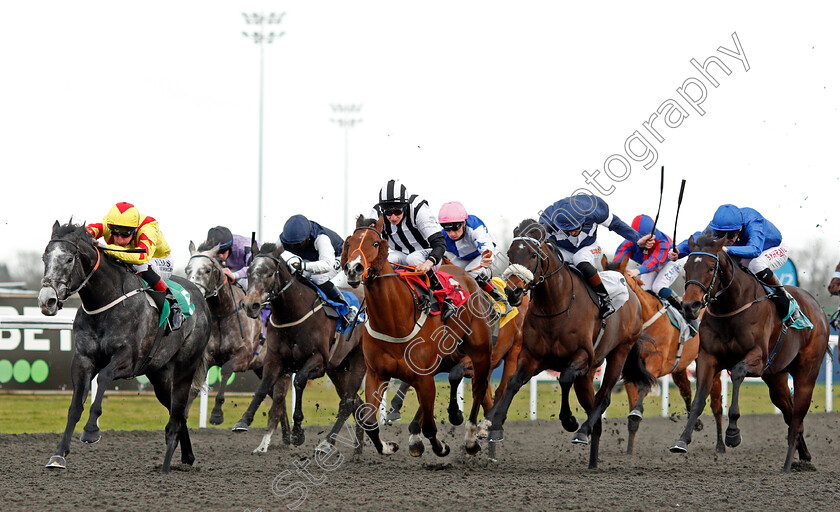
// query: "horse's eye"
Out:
[68,259]
[533,255]
[376,244]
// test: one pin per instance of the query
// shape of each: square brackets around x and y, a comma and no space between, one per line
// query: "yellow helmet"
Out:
[123,214]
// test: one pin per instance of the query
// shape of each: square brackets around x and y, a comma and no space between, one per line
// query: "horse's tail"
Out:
[199,382]
[634,370]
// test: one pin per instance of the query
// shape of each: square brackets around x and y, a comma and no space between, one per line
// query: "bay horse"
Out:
[505,349]
[114,334]
[664,354]
[234,343]
[741,331]
[298,339]
[402,342]
[560,333]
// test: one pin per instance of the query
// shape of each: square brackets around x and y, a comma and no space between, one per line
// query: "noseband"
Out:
[707,290]
[531,283]
[48,281]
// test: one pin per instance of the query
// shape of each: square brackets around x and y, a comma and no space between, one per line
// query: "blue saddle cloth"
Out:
[341,324]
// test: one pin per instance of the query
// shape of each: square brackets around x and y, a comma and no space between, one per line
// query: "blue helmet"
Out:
[296,230]
[728,217]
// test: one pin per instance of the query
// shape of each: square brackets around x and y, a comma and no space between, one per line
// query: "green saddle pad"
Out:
[183,298]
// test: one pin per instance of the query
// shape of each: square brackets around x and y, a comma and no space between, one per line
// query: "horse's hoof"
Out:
[415,445]
[56,462]
[324,448]
[679,447]
[580,438]
[240,426]
[698,426]
[444,449]
[570,424]
[298,438]
[188,459]
[217,418]
[633,421]
[90,437]
[389,448]
[720,448]
[496,436]
[473,448]
[456,417]
[733,440]
[392,416]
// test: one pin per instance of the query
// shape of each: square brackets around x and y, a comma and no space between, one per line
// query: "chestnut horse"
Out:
[401,342]
[505,350]
[663,355]
[561,332]
[742,332]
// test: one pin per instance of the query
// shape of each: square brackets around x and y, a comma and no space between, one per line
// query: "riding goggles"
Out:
[122,232]
[452,226]
[393,211]
[726,234]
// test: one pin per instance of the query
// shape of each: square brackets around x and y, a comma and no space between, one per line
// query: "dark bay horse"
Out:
[298,340]
[560,332]
[234,343]
[114,334]
[740,332]
[401,342]
[663,354]
[505,349]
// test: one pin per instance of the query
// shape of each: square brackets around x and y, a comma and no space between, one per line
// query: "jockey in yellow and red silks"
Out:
[125,228]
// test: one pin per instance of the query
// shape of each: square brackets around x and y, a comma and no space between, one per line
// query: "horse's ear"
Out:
[55,227]
[278,250]
[380,224]
[360,220]
[255,248]
[192,248]
[622,267]
[691,243]
[604,261]
[214,251]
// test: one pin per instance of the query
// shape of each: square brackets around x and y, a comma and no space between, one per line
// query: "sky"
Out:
[499,105]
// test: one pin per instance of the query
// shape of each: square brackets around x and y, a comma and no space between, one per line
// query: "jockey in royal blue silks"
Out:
[572,224]
[471,246]
[756,242]
[315,251]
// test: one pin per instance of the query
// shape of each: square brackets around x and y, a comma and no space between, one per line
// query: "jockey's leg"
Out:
[448,308]
[482,277]
[176,317]
[334,294]
[780,296]
[594,280]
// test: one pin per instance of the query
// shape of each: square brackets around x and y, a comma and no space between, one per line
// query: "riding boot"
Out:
[176,316]
[448,308]
[693,325]
[487,285]
[335,295]
[606,308]
[780,297]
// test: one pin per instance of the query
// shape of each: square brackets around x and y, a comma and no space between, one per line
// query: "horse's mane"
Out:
[206,245]
[529,225]
[705,240]
[267,248]
[71,229]
[361,220]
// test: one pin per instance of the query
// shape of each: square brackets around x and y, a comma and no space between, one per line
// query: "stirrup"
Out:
[605,307]
[176,316]
[447,309]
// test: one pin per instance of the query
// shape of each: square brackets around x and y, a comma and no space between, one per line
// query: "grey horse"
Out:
[114,335]
[234,343]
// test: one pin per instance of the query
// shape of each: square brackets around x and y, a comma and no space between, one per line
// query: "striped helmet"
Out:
[393,193]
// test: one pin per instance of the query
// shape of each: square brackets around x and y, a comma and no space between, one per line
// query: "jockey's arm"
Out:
[326,256]
[755,233]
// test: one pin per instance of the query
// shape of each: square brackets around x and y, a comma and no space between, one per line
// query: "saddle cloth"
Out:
[450,288]
[181,295]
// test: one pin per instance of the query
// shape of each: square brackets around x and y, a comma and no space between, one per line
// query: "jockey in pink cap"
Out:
[472,246]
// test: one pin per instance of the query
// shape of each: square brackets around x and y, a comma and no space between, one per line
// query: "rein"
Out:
[50,282]
[708,299]
[275,295]
[531,284]
[215,269]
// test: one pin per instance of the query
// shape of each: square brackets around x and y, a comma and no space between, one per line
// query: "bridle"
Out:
[369,274]
[530,284]
[50,282]
[707,290]
[216,272]
[273,294]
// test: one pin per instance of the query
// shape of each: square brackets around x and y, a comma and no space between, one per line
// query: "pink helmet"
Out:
[452,212]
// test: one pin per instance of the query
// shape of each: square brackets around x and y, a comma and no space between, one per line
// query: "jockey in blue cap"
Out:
[315,251]
[572,223]
[756,242]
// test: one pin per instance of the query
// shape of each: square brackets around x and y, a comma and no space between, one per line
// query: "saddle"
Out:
[429,300]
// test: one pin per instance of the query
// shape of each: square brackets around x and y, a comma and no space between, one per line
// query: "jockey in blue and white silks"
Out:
[753,240]
[572,224]
[314,251]
[471,245]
